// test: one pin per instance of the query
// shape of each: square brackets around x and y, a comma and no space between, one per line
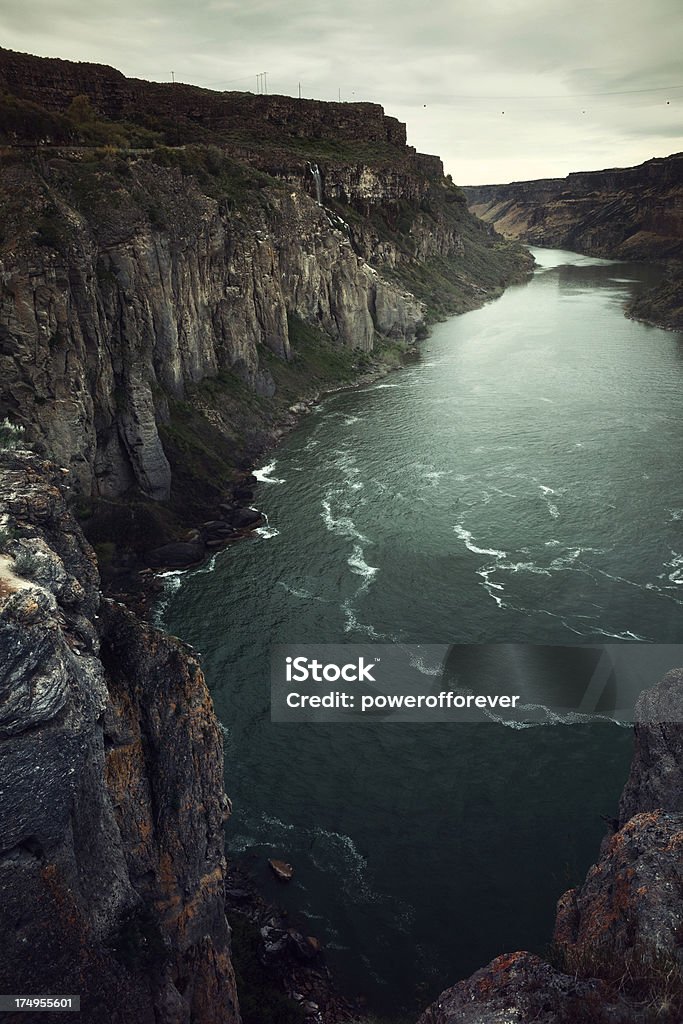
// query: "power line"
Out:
[568,96]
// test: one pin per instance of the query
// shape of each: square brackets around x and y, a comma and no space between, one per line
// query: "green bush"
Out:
[26,564]
[11,434]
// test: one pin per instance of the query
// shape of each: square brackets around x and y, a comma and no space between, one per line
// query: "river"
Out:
[521,481]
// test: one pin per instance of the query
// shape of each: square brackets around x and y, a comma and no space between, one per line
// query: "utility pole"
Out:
[299,90]
[265,82]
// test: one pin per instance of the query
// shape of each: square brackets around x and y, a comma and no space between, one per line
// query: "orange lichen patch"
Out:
[69,915]
[609,908]
[640,821]
[675,841]
[124,767]
[209,887]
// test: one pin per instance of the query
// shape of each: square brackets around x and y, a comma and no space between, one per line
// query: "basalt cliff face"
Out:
[111,786]
[631,213]
[617,955]
[175,273]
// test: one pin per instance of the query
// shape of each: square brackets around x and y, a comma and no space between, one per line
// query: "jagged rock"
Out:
[282,870]
[178,555]
[656,778]
[631,900]
[305,947]
[241,518]
[217,530]
[111,790]
[519,988]
[617,936]
[243,493]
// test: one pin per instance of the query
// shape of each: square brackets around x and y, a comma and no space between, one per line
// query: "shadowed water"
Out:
[522,481]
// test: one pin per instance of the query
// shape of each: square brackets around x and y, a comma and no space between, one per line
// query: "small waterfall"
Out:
[315,171]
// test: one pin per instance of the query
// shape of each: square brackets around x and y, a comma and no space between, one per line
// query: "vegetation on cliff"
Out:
[182,267]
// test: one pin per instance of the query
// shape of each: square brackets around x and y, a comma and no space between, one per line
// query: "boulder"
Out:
[178,555]
[282,870]
[243,518]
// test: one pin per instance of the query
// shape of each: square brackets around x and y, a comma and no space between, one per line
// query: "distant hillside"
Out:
[632,213]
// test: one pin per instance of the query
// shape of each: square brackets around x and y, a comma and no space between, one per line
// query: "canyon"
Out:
[179,270]
[630,213]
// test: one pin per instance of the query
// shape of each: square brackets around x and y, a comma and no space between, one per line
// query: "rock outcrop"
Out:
[131,276]
[111,786]
[617,952]
[630,213]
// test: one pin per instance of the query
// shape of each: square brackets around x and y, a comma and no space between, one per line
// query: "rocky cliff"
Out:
[632,213]
[629,213]
[151,298]
[617,951]
[111,786]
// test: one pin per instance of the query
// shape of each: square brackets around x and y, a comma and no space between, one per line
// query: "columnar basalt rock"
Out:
[111,786]
[129,275]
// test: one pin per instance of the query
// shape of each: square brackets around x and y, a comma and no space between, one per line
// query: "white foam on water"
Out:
[551,506]
[353,625]
[343,526]
[467,537]
[676,566]
[266,532]
[490,587]
[675,515]
[551,718]
[357,564]
[295,592]
[173,580]
[417,661]
[263,474]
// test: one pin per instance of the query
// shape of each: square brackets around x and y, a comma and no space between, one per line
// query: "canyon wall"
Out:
[130,275]
[616,956]
[628,213]
[111,786]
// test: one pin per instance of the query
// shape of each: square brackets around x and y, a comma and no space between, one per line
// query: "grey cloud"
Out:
[448,69]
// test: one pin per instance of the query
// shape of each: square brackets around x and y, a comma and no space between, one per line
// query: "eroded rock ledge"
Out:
[111,786]
[617,947]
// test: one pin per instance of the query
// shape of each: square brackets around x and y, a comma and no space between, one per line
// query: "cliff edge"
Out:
[179,266]
[111,786]
[617,955]
[629,213]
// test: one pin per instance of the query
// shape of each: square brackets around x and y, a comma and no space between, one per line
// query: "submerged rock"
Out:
[282,870]
[617,952]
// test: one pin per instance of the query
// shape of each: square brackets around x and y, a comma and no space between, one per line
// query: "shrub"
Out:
[11,434]
[26,564]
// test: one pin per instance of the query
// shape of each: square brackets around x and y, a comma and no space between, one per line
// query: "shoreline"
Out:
[141,589]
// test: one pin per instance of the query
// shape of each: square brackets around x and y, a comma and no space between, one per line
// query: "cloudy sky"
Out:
[501,89]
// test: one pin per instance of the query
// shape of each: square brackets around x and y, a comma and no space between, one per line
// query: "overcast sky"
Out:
[501,89]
